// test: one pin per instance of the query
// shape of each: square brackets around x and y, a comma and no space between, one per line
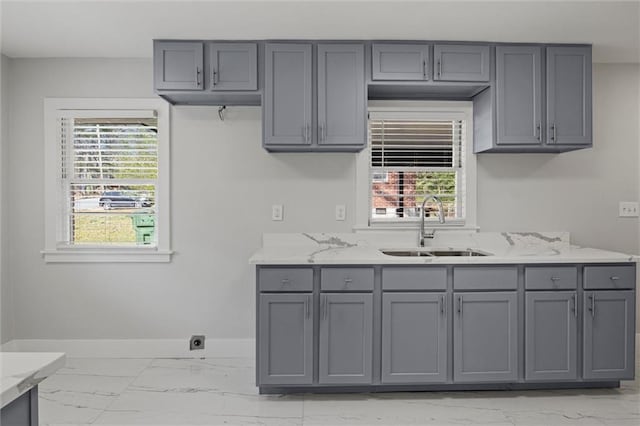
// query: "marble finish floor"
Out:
[221,391]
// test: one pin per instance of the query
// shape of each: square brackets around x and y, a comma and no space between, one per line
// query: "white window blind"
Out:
[413,157]
[108,178]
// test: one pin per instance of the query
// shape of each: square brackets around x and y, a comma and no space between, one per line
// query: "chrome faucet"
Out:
[429,234]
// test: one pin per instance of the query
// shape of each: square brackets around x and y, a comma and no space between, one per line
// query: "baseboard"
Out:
[135,348]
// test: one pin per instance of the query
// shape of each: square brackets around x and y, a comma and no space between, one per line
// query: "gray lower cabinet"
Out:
[569,96]
[285,339]
[485,330]
[287,94]
[392,61]
[346,338]
[22,411]
[461,62]
[414,338]
[551,341]
[609,335]
[178,65]
[233,66]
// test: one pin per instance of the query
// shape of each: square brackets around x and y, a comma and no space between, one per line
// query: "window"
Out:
[419,148]
[107,168]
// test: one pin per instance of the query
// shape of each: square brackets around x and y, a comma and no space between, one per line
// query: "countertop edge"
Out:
[22,381]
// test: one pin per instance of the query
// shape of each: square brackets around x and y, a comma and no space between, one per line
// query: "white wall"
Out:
[223,185]
[6,316]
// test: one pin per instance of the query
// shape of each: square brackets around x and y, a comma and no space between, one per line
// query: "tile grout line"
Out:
[133,379]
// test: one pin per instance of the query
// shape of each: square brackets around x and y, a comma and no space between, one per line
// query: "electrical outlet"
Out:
[341,212]
[628,209]
[277,212]
[196,342]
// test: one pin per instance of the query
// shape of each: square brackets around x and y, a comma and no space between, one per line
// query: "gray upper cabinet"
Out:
[285,349]
[288,94]
[233,66]
[178,65]
[485,334]
[569,95]
[414,338]
[551,344]
[461,62]
[609,331]
[400,62]
[341,97]
[530,118]
[519,95]
[299,118]
[346,337]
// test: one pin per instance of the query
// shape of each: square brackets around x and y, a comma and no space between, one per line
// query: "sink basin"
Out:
[435,252]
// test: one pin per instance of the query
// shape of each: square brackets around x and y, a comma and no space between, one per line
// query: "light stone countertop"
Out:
[21,371]
[364,249]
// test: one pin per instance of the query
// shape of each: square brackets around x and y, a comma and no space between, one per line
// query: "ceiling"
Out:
[118,28]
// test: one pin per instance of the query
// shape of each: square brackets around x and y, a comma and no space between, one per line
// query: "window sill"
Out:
[71,255]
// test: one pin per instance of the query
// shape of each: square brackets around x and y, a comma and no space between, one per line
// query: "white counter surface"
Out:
[21,371]
[364,248]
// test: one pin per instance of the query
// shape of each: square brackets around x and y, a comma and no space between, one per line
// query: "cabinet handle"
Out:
[554,279]
[198,76]
[443,308]
[306,307]
[321,131]
[213,79]
[348,280]
[614,278]
[553,133]
[592,305]
[424,70]
[439,69]
[285,281]
[460,305]
[539,132]
[574,305]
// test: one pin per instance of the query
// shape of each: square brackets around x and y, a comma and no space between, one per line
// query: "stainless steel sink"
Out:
[435,252]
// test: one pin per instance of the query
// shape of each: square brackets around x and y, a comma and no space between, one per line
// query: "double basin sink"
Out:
[433,252]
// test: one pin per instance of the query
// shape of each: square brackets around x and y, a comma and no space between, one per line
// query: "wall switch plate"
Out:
[277,212]
[628,209]
[341,212]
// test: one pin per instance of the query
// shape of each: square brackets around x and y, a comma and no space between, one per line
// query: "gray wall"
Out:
[223,186]
[6,315]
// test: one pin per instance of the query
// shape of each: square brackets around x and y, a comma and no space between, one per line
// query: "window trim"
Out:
[427,110]
[54,252]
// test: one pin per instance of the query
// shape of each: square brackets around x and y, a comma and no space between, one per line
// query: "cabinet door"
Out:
[609,335]
[485,337]
[178,65]
[414,338]
[569,95]
[346,327]
[519,95]
[551,335]
[400,62]
[285,348]
[234,66]
[461,62]
[341,98]
[287,94]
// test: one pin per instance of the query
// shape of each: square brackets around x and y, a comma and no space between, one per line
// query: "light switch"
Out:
[628,209]
[277,212]
[341,212]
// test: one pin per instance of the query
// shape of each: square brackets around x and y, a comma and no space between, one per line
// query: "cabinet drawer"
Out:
[286,279]
[485,278]
[550,278]
[346,279]
[609,277]
[412,278]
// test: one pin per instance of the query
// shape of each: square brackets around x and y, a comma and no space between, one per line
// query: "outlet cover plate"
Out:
[277,212]
[341,212]
[628,209]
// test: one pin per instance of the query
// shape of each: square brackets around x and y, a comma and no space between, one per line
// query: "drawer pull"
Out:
[554,279]
[286,281]
[574,305]
[348,280]
[614,278]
